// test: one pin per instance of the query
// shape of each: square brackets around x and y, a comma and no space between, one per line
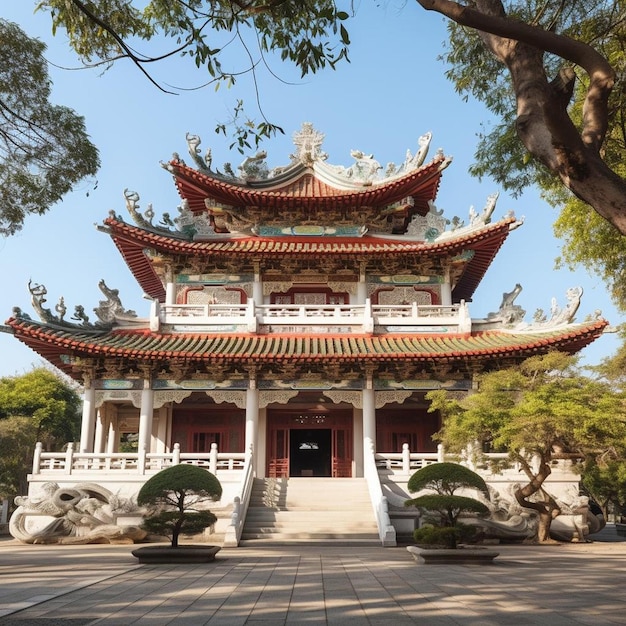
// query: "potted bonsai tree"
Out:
[174,501]
[443,506]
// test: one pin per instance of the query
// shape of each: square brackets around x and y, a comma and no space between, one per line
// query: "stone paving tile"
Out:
[529,586]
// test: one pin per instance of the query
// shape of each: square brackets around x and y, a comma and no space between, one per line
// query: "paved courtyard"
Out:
[104,585]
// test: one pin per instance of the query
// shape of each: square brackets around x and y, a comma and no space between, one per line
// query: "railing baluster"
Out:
[213,458]
[69,460]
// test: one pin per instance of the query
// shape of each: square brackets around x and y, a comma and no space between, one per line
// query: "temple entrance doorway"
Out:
[310,452]
[309,442]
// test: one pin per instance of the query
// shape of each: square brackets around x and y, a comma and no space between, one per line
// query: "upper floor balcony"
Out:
[280,318]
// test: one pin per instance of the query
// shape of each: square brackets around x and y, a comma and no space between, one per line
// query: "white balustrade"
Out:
[241,502]
[114,463]
[367,316]
[386,530]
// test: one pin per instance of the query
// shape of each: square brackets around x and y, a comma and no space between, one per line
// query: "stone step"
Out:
[310,511]
[311,541]
[317,535]
[340,505]
[263,513]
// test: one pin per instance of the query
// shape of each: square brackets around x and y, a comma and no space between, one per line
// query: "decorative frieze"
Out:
[117,395]
[161,398]
[279,397]
[238,398]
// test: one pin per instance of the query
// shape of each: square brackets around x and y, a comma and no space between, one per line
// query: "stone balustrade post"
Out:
[69,458]
[176,454]
[440,453]
[368,317]
[213,458]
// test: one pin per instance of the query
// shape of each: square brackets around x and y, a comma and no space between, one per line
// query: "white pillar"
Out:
[252,418]
[145,416]
[369,416]
[112,436]
[260,452]
[170,286]
[89,418]
[170,293]
[257,287]
[446,289]
[98,445]
[361,295]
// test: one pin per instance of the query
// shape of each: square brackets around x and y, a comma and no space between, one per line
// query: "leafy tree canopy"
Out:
[38,406]
[309,34]
[590,239]
[44,148]
[445,479]
[545,409]
[175,496]
[180,485]
[51,404]
[17,442]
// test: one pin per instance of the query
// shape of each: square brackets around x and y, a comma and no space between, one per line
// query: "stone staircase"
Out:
[310,511]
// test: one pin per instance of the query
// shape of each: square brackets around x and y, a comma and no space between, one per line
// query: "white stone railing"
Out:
[241,502]
[249,316]
[386,530]
[407,462]
[204,315]
[72,462]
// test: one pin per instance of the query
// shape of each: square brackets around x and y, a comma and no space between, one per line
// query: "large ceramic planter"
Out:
[181,554]
[463,556]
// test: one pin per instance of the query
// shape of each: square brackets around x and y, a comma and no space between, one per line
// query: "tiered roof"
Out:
[472,250]
[306,210]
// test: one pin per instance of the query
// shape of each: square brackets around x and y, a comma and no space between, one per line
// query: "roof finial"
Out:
[308,142]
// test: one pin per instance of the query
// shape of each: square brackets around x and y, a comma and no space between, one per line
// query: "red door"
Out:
[342,453]
[278,453]
[284,458]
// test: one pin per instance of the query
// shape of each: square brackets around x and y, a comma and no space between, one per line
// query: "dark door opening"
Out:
[310,452]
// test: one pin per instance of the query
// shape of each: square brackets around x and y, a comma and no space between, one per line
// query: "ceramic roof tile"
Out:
[265,349]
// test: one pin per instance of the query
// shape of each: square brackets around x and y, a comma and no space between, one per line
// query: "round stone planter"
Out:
[180,554]
[463,556]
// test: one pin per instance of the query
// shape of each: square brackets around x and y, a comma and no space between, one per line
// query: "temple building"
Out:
[299,316]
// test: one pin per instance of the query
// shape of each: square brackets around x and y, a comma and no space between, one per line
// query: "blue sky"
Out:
[393,91]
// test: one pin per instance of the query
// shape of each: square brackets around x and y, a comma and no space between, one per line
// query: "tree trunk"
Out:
[176,531]
[543,123]
[546,509]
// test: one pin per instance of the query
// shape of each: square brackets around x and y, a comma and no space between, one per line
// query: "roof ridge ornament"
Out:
[308,153]
[511,315]
[308,143]
[187,225]
[108,311]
